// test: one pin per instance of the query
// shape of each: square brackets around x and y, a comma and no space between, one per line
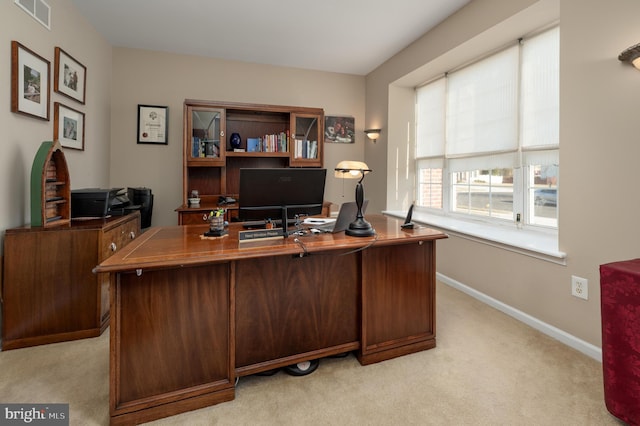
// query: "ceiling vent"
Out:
[38,9]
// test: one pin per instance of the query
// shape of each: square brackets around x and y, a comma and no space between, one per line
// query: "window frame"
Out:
[523,187]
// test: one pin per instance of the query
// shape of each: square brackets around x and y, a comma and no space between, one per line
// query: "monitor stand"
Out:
[285,227]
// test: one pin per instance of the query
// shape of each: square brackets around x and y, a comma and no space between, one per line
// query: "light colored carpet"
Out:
[487,369]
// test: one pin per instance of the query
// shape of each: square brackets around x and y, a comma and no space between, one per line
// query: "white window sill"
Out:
[540,245]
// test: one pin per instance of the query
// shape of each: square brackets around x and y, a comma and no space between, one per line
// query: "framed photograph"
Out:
[68,127]
[29,82]
[339,129]
[70,77]
[152,124]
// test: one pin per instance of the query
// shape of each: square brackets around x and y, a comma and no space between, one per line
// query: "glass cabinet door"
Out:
[206,128]
[307,142]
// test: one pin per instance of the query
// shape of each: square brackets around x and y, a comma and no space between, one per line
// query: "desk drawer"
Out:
[117,238]
[192,218]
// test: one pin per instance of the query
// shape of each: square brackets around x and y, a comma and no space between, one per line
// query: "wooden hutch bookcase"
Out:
[270,136]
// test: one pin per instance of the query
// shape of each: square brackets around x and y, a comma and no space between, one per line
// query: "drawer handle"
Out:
[113,246]
[132,235]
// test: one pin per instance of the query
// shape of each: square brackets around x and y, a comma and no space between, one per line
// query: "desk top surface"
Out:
[187,245]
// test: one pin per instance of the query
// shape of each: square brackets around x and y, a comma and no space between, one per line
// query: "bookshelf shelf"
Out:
[258,154]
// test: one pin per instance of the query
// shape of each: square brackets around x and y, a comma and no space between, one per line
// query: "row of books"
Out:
[204,147]
[201,148]
[269,143]
[306,149]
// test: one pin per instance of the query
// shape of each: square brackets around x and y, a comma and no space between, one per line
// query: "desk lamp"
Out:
[354,170]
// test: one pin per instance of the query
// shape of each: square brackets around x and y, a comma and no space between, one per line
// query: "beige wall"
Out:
[155,78]
[112,157]
[599,105]
[599,151]
[22,135]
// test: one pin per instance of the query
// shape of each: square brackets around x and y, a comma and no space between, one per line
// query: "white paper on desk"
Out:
[318,221]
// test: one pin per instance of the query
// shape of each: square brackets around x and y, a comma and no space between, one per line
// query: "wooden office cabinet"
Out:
[50,293]
[307,149]
[204,138]
[270,136]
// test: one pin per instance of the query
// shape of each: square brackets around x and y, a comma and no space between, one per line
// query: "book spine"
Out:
[195,147]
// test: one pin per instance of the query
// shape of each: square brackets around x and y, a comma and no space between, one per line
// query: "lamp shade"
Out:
[373,133]
[349,169]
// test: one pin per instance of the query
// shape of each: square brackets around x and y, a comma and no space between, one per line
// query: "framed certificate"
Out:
[152,124]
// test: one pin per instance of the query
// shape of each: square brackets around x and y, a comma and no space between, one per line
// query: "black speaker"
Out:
[144,198]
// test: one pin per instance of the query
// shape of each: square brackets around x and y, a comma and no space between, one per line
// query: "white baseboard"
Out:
[560,335]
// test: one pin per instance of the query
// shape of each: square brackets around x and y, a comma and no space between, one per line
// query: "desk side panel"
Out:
[170,337]
[49,292]
[398,300]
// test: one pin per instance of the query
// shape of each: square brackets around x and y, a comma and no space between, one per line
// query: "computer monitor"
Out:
[275,193]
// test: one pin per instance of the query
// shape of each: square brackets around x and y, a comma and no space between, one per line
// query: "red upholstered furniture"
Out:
[620,302]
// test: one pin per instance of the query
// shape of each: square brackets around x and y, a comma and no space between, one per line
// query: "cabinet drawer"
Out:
[193,218]
[200,217]
[117,238]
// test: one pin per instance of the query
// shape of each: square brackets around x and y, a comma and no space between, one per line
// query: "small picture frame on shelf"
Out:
[339,129]
[68,127]
[70,77]
[29,82]
[152,124]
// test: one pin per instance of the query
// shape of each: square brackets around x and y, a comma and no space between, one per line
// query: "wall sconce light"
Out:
[373,134]
[631,55]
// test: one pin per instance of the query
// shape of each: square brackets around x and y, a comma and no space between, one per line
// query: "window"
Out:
[487,136]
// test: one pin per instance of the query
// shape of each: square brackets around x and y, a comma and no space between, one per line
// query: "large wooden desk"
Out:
[189,315]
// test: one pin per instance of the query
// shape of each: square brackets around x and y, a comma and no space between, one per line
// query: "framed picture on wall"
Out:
[152,124]
[68,127]
[339,129]
[29,82]
[70,77]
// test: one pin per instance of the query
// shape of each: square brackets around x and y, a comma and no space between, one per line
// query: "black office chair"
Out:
[144,198]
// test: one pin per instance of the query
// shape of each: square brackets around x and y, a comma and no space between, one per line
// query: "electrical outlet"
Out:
[579,287]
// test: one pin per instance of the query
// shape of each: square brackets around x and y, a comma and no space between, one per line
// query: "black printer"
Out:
[98,203]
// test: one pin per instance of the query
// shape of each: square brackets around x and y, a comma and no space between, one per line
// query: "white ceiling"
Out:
[346,36]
